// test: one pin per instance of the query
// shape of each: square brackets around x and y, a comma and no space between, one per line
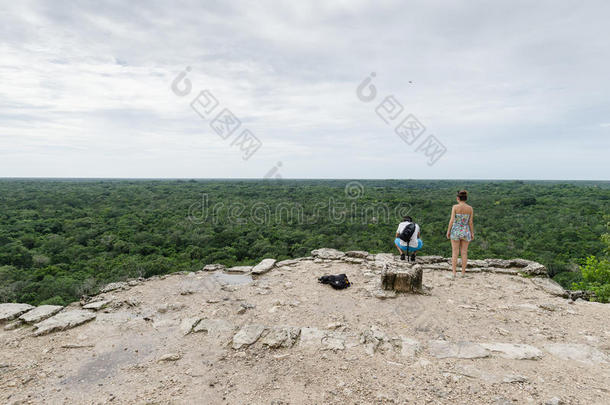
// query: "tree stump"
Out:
[406,279]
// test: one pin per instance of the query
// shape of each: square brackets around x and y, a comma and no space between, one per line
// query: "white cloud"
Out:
[85,87]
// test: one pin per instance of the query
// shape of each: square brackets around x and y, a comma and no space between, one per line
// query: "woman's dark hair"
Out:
[407,218]
[462,195]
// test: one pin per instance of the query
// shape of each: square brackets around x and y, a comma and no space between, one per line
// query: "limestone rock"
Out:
[498,263]
[214,267]
[187,325]
[311,337]
[289,262]
[213,327]
[460,350]
[40,313]
[513,351]
[281,337]
[360,254]
[63,321]
[333,341]
[170,357]
[535,269]
[383,258]
[550,286]
[239,269]
[247,335]
[353,260]
[577,352]
[430,259]
[402,279]
[409,347]
[97,305]
[327,253]
[114,286]
[17,323]
[520,262]
[264,266]
[8,312]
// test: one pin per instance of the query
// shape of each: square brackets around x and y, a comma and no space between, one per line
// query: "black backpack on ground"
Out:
[407,232]
[338,282]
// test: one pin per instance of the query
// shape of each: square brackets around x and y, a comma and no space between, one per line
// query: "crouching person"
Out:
[408,238]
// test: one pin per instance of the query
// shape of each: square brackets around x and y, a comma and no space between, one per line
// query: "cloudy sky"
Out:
[504,89]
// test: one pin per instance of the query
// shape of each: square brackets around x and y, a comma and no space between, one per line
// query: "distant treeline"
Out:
[61,239]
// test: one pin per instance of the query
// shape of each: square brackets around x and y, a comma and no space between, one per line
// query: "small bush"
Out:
[56,300]
[596,278]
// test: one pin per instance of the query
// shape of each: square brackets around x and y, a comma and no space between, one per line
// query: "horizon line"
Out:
[274,180]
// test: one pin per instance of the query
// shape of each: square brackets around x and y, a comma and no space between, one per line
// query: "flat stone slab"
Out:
[213,327]
[8,312]
[97,305]
[63,321]
[549,286]
[288,262]
[239,269]
[409,347]
[442,349]
[264,266]
[311,336]
[326,253]
[40,313]
[114,286]
[359,254]
[513,351]
[247,335]
[281,337]
[577,352]
[213,267]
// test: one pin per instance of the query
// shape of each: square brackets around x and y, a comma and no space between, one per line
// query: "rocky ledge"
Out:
[272,334]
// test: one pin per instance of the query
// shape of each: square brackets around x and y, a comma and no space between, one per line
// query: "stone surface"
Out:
[326,253]
[360,254]
[187,325]
[214,267]
[430,259]
[409,347]
[97,305]
[247,335]
[9,311]
[534,269]
[550,286]
[289,262]
[63,321]
[281,337]
[213,327]
[264,266]
[114,286]
[15,324]
[40,313]
[239,269]
[402,279]
[311,337]
[460,350]
[383,258]
[170,357]
[499,263]
[578,352]
[513,351]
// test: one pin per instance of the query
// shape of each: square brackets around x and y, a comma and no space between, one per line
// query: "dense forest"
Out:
[60,239]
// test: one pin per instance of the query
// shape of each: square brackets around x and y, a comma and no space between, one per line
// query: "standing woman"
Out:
[460,230]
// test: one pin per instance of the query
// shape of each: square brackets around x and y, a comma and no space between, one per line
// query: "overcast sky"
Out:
[509,89]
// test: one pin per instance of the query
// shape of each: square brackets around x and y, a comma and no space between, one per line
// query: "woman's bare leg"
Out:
[455,250]
[464,250]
